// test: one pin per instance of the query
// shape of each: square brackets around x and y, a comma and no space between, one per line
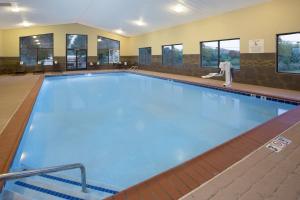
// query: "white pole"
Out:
[228,78]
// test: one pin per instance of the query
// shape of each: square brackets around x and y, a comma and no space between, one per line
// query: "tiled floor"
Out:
[262,175]
[13,90]
[242,181]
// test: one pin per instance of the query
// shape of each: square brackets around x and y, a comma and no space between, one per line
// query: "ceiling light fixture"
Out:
[34,36]
[15,7]
[26,24]
[37,40]
[119,31]
[179,8]
[99,40]
[140,22]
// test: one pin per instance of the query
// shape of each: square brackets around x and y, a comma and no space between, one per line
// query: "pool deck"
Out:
[239,169]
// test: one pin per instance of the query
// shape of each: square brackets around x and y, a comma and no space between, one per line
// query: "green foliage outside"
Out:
[210,57]
[288,56]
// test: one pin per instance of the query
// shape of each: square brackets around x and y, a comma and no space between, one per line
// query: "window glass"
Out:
[76,41]
[230,51]
[177,54]
[108,50]
[29,56]
[288,54]
[76,51]
[172,55]
[214,52]
[210,54]
[45,56]
[145,56]
[37,48]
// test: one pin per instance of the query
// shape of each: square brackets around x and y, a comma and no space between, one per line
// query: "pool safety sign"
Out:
[278,143]
[257,46]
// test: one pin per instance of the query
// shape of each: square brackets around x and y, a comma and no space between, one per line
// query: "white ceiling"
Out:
[116,14]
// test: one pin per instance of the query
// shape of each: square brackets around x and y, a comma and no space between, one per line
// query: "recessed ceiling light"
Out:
[140,22]
[26,24]
[179,8]
[119,31]
[99,40]
[37,40]
[38,43]
[15,7]
[34,36]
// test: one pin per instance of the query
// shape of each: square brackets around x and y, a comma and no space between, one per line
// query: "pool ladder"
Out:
[134,68]
[34,172]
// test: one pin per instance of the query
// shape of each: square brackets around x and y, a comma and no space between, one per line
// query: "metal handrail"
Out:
[34,172]
[134,67]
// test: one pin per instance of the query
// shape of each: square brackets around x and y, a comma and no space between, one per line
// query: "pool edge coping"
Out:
[276,98]
[12,133]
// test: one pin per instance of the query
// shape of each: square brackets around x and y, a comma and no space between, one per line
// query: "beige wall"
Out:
[11,38]
[1,45]
[259,22]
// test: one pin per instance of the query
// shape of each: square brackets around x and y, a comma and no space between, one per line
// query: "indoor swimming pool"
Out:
[126,127]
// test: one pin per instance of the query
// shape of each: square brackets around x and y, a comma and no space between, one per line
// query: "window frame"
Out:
[108,54]
[277,52]
[150,55]
[87,48]
[219,41]
[162,55]
[37,49]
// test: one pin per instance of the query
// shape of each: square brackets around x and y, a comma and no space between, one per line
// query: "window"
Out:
[288,53]
[214,52]
[108,50]
[37,49]
[172,54]
[76,51]
[145,56]
[210,54]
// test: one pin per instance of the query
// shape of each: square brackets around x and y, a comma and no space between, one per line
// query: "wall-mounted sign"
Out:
[257,46]
[278,143]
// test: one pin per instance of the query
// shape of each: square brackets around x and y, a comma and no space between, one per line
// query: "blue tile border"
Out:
[101,189]
[46,191]
[269,98]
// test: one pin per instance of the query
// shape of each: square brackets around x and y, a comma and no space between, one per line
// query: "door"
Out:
[76,59]
[76,52]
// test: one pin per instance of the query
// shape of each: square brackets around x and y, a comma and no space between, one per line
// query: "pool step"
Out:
[55,187]
[10,195]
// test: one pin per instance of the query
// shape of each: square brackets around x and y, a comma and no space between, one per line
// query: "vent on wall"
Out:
[5,4]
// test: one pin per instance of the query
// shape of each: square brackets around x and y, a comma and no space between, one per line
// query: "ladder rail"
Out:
[134,68]
[40,171]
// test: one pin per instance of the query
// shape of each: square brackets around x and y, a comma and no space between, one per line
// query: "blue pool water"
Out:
[126,128]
